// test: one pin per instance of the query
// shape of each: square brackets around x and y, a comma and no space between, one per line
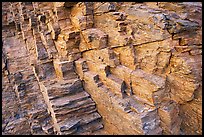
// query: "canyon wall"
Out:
[102,68]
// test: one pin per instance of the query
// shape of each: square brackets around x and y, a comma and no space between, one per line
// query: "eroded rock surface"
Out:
[102,68]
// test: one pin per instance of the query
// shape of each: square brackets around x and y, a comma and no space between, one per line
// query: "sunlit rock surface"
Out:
[92,68]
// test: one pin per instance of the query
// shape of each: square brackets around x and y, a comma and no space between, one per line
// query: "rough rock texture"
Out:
[102,68]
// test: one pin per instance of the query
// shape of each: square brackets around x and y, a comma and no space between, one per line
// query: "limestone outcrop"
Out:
[90,68]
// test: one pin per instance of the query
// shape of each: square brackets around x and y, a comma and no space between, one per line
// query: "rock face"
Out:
[102,68]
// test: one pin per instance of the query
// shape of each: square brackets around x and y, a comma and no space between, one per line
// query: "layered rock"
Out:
[102,68]
[42,105]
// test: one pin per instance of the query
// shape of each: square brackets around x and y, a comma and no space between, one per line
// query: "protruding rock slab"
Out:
[45,70]
[148,87]
[93,39]
[170,120]
[65,69]
[103,56]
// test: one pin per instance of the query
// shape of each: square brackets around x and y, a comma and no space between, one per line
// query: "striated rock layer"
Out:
[89,68]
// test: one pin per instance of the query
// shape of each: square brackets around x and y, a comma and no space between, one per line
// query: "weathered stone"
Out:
[69,125]
[64,70]
[184,92]
[105,56]
[180,26]
[123,73]
[61,89]
[81,67]
[106,112]
[22,128]
[68,99]
[196,52]
[41,51]
[64,24]
[116,85]
[101,70]
[45,70]
[169,114]
[149,55]
[75,109]
[83,18]
[52,51]
[63,13]
[91,117]
[93,39]
[126,56]
[78,67]
[192,112]
[103,7]
[69,4]
[68,43]
[144,85]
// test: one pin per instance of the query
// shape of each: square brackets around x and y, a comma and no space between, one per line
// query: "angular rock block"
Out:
[93,39]
[59,102]
[115,84]
[68,42]
[64,24]
[82,16]
[150,122]
[62,88]
[91,129]
[72,42]
[144,117]
[127,56]
[63,13]
[191,40]
[68,125]
[52,51]
[91,76]
[123,73]
[183,93]
[81,67]
[90,118]
[103,56]
[155,56]
[67,100]
[75,109]
[178,26]
[45,70]
[41,50]
[148,87]
[100,69]
[65,70]
[170,119]
[78,112]
[141,31]
[71,34]
[187,65]
[115,38]
[80,20]
[191,115]
[118,16]
[122,26]
[18,127]
[83,8]
[29,39]
[104,7]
